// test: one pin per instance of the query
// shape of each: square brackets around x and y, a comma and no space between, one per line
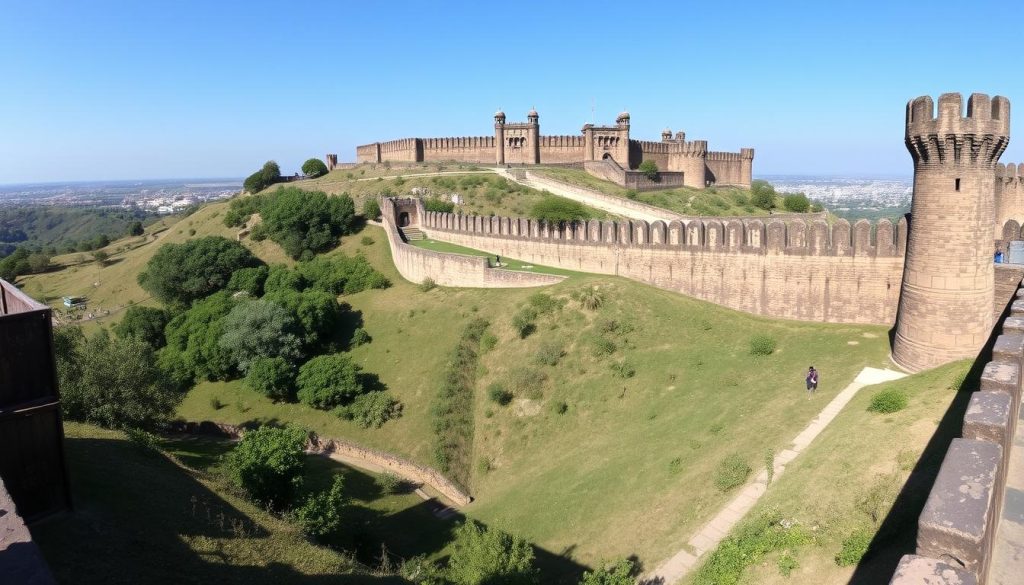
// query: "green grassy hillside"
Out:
[482,192]
[48,226]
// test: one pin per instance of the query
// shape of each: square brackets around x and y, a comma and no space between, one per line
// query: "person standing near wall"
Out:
[812,381]
[999,255]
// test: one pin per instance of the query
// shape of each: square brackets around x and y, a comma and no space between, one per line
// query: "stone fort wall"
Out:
[795,269]
[1009,196]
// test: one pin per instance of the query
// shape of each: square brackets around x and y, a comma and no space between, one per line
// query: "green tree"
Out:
[260,329]
[762,194]
[318,314]
[144,323]
[179,274]
[371,208]
[314,167]
[193,348]
[488,555]
[327,381]
[136,229]
[253,183]
[439,205]
[339,274]
[650,169]
[270,172]
[619,573]
[796,202]
[372,409]
[306,222]
[268,464]
[321,513]
[111,382]
[273,377]
[38,262]
[554,209]
[249,280]
[100,257]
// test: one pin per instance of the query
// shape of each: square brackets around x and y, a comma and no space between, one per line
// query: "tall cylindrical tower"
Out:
[499,137]
[945,310]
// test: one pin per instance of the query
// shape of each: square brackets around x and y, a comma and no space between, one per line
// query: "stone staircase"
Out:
[412,233]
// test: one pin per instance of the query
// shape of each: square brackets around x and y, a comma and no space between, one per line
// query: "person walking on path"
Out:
[812,381]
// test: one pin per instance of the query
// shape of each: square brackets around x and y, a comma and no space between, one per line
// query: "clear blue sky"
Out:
[155,89]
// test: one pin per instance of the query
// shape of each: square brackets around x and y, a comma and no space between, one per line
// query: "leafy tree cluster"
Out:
[268,465]
[145,324]
[762,194]
[438,204]
[554,209]
[111,382]
[59,230]
[304,223]
[179,274]
[269,174]
[371,209]
[796,202]
[22,261]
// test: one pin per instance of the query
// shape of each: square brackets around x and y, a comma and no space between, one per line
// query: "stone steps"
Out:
[412,233]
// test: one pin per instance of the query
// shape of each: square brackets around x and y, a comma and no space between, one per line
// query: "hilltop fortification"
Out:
[682,162]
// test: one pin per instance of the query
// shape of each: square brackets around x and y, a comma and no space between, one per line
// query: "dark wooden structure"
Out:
[31,431]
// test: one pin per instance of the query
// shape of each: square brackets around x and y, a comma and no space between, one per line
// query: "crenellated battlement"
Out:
[726,156]
[1009,173]
[565,141]
[751,235]
[948,136]
[458,142]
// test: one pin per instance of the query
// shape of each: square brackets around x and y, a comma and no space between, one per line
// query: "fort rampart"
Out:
[418,264]
[790,269]
[1009,195]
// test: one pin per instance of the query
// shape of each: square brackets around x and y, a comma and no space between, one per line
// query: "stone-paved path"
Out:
[708,537]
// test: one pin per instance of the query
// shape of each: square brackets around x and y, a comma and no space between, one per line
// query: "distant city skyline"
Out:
[132,91]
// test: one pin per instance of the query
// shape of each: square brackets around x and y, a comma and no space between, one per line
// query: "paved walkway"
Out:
[708,537]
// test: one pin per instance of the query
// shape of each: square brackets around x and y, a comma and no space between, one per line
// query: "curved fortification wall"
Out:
[1009,196]
[790,269]
[418,264]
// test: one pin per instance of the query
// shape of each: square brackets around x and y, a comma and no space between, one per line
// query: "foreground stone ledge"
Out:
[1001,376]
[988,418]
[1009,347]
[958,519]
[1014,324]
[917,570]
[1017,307]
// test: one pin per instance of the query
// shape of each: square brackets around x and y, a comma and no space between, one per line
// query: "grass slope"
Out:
[849,478]
[714,201]
[143,518]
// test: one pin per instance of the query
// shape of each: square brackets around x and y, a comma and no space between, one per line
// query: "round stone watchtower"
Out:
[945,310]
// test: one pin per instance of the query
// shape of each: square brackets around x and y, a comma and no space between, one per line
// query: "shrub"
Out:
[553,209]
[549,353]
[360,337]
[497,393]
[650,169]
[617,573]
[762,194]
[179,274]
[525,381]
[320,515]
[111,382]
[193,348]
[438,204]
[304,223]
[340,274]
[632,194]
[796,202]
[371,208]
[452,409]
[746,546]
[270,172]
[366,241]
[144,323]
[762,345]
[254,182]
[602,346]
[888,401]
[854,548]
[318,314]
[389,483]
[216,404]
[524,322]
[372,409]
[327,381]
[274,377]
[314,167]
[40,262]
[487,342]
[786,564]
[623,369]
[591,299]
[488,555]
[731,472]
[427,285]
[268,464]
[559,407]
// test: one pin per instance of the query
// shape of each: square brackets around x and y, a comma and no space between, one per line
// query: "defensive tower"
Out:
[945,310]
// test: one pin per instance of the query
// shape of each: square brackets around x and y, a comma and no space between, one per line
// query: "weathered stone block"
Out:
[1017,308]
[1001,377]
[988,417]
[917,570]
[1013,324]
[959,517]
[1009,347]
